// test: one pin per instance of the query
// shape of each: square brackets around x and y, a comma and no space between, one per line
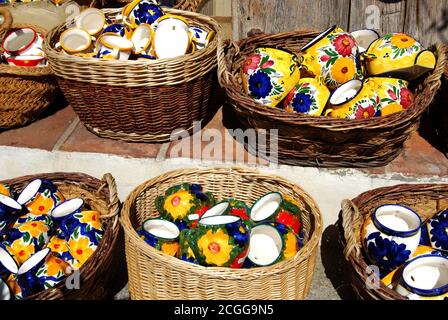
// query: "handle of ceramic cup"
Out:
[350,217]
[7,21]
[114,202]
[224,46]
[327,112]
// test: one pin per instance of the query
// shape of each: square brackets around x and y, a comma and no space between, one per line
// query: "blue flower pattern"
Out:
[439,230]
[147,13]
[302,103]
[116,28]
[260,85]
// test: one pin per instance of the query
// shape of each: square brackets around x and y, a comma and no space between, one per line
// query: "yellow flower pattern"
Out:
[343,70]
[215,247]
[21,251]
[179,204]
[290,246]
[402,41]
[40,205]
[55,266]
[92,218]
[34,228]
[58,245]
[170,248]
[80,249]
[4,190]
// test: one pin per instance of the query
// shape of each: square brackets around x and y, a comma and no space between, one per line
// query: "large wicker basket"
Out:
[322,141]
[24,91]
[138,100]
[426,200]
[154,275]
[103,274]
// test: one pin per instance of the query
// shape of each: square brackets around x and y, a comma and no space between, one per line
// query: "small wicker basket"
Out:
[24,91]
[141,101]
[103,274]
[155,275]
[426,200]
[322,141]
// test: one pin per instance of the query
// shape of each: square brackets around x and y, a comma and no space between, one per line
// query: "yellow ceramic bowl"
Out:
[333,55]
[398,55]
[309,96]
[270,74]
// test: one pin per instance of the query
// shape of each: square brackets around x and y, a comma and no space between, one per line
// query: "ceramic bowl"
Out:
[184,204]
[141,11]
[91,20]
[438,230]
[390,236]
[201,36]
[270,74]
[220,241]
[40,197]
[76,40]
[309,96]
[364,38]
[142,38]
[333,56]
[113,47]
[9,212]
[425,278]
[27,61]
[172,37]
[23,41]
[274,207]
[398,55]
[162,235]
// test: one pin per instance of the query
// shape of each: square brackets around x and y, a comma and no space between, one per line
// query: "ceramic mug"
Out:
[27,61]
[364,38]
[53,271]
[309,96]
[184,204]
[398,55]
[9,211]
[23,41]
[220,241]
[59,247]
[91,20]
[7,190]
[8,264]
[266,246]
[333,56]
[141,11]
[438,230]
[75,41]
[270,74]
[274,207]
[201,36]
[230,207]
[114,47]
[162,235]
[172,37]
[185,251]
[119,29]
[390,236]
[5,292]
[142,38]
[425,278]
[27,238]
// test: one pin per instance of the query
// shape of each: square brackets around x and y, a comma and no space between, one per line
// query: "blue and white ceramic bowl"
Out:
[438,231]
[141,11]
[425,278]
[390,236]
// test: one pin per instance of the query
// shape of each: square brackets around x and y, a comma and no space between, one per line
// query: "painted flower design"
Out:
[439,231]
[34,228]
[41,205]
[170,248]
[402,41]
[260,85]
[291,246]
[343,70]
[91,218]
[80,249]
[179,204]
[251,63]
[21,251]
[57,245]
[115,28]
[5,190]
[215,247]
[364,113]
[391,109]
[302,103]
[406,98]
[344,45]
[147,13]
[290,220]
[55,266]
[386,253]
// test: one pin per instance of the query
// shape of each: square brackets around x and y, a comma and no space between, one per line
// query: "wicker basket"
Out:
[103,273]
[187,5]
[154,275]
[24,91]
[322,141]
[426,200]
[141,101]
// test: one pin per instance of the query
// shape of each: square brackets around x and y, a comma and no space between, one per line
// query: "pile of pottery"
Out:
[343,75]
[411,255]
[141,32]
[43,238]
[194,227]
[22,47]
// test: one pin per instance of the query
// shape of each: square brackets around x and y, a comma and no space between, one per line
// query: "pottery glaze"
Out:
[309,96]
[172,38]
[162,235]
[437,228]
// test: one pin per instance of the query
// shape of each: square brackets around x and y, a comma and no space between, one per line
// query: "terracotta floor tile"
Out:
[42,134]
[419,158]
[82,140]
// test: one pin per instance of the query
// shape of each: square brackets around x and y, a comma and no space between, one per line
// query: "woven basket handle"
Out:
[7,21]
[434,81]
[223,47]
[350,216]
[114,201]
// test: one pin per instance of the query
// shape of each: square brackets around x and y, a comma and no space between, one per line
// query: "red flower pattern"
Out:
[364,113]
[344,45]
[290,220]
[407,98]
[251,63]
[392,94]
[325,58]
[267,64]
[239,213]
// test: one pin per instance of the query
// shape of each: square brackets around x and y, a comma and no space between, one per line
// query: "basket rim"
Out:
[101,253]
[303,254]
[358,261]
[197,56]
[239,100]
